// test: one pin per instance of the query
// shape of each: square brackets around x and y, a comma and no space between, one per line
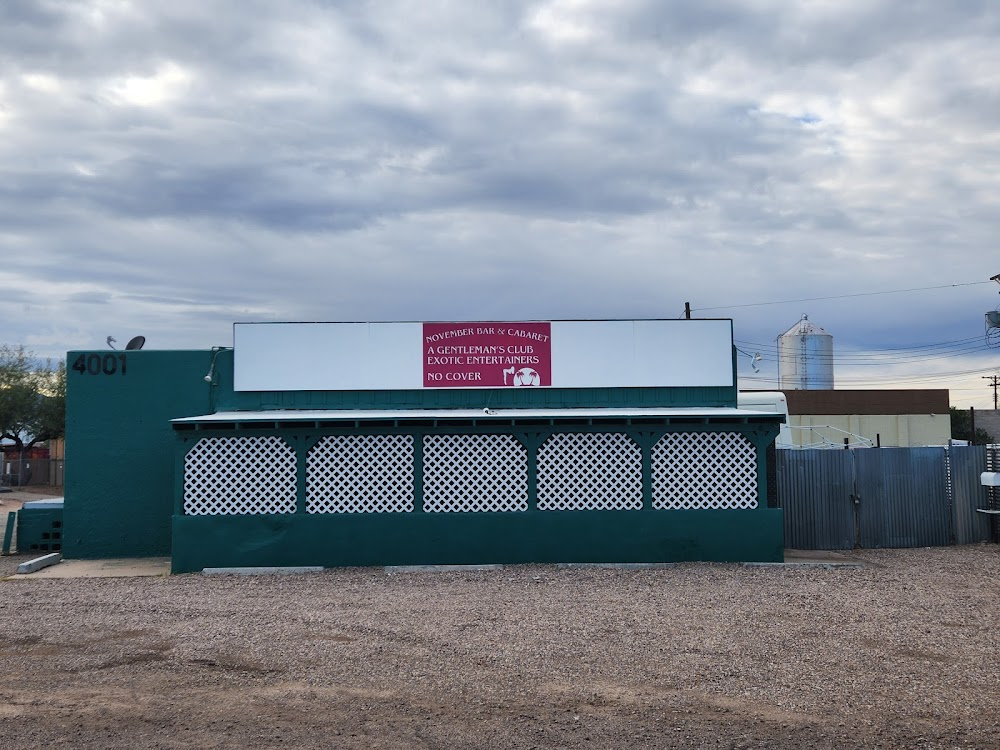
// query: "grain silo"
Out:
[805,357]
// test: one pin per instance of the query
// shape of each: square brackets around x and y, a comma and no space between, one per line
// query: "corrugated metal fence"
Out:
[883,497]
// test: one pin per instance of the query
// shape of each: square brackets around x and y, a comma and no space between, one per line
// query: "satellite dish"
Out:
[111,341]
[136,342]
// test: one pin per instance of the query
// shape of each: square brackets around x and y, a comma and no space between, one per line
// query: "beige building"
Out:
[890,418]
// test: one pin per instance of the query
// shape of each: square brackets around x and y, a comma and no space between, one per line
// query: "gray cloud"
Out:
[172,167]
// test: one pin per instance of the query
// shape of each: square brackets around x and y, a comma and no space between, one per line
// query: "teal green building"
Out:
[408,443]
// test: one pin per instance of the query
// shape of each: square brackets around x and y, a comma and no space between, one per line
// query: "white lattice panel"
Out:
[239,475]
[474,473]
[590,471]
[704,470]
[360,474]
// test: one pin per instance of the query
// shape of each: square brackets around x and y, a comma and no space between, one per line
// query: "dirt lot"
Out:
[900,656]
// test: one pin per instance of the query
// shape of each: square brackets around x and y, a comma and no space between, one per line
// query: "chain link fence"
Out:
[31,471]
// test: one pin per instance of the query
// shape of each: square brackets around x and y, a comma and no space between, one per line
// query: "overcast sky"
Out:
[169,168]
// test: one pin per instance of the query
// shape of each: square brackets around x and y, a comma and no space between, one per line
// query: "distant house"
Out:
[11,453]
[40,464]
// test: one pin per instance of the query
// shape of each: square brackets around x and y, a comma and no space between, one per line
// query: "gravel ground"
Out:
[11,503]
[8,566]
[903,655]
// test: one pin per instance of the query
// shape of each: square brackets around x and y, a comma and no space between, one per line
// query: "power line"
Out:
[840,296]
[912,379]
[759,381]
[879,357]
[942,345]
[918,376]
[874,360]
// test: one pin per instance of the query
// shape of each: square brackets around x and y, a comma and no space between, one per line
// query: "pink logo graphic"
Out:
[524,376]
[487,355]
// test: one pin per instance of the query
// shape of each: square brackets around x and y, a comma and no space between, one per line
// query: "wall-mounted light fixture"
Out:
[210,377]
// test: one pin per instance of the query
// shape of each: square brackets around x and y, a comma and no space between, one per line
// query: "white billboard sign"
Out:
[414,356]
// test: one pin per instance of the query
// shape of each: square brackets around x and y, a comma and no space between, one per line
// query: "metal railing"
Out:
[818,439]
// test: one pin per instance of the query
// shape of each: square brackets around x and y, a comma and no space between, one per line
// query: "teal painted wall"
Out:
[529,536]
[39,530]
[122,454]
[477,538]
[119,484]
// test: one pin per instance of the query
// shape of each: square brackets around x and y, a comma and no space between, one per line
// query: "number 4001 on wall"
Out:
[97,364]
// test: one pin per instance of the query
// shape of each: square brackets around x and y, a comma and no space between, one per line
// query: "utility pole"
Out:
[995,382]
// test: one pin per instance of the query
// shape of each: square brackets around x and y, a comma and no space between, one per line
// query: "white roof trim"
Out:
[347,415]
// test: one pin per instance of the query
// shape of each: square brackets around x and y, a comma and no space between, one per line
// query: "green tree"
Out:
[32,398]
[961,428]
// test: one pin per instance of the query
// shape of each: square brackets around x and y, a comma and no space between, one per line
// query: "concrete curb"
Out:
[38,563]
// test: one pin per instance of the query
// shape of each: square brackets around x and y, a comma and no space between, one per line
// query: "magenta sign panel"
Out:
[487,355]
